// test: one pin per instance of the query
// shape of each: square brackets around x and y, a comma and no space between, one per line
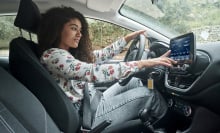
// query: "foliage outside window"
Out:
[104,33]
[8,32]
[174,17]
[101,33]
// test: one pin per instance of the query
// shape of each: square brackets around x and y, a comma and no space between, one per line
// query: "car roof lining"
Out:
[11,6]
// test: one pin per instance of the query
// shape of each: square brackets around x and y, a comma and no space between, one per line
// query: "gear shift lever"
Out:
[147,120]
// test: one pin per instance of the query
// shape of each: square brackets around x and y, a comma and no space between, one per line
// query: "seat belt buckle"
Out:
[84,130]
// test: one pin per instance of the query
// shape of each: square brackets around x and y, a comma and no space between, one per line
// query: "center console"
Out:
[185,79]
[183,50]
[182,77]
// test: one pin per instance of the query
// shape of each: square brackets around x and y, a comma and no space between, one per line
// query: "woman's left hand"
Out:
[132,35]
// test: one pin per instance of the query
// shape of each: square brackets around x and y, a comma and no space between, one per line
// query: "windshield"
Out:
[175,17]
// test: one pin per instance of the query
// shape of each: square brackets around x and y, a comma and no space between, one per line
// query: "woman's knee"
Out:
[158,105]
[145,91]
[135,82]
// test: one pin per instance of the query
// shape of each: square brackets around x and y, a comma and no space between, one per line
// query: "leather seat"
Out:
[20,110]
[25,66]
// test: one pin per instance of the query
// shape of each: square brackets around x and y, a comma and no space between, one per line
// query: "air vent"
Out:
[181,81]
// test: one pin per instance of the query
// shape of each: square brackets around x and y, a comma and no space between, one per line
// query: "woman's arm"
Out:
[163,60]
[115,48]
[110,51]
[62,63]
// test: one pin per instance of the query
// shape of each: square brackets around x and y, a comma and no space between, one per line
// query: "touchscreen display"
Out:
[183,48]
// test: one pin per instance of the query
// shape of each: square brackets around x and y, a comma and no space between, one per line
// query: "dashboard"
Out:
[183,49]
[186,72]
[183,77]
[197,82]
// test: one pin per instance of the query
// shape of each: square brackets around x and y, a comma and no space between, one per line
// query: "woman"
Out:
[67,54]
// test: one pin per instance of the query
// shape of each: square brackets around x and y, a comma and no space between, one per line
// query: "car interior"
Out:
[21,111]
[23,55]
[31,100]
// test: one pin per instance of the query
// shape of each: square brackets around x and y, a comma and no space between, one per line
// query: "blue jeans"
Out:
[123,103]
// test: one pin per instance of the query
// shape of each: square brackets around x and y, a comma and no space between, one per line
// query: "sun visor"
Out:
[100,5]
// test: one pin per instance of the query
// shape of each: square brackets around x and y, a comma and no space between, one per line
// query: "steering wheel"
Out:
[156,49]
[136,49]
[134,53]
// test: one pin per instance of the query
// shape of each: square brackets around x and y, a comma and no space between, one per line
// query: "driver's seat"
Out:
[25,66]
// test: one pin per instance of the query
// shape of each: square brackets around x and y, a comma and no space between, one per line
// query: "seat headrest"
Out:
[28,16]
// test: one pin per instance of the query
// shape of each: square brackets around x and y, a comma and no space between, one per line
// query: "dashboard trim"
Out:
[177,89]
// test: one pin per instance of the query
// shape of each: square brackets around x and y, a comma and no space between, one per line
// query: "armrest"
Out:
[101,126]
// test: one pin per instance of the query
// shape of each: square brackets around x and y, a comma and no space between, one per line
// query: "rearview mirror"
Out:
[158,3]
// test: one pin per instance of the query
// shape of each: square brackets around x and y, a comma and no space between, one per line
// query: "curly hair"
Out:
[51,26]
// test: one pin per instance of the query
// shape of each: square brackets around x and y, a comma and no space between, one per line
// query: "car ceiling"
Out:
[104,6]
[102,9]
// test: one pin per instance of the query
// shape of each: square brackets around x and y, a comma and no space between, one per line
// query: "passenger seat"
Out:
[20,110]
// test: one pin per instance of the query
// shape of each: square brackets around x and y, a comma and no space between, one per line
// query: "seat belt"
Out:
[87,116]
[90,107]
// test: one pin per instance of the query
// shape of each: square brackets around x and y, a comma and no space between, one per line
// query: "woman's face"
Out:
[71,34]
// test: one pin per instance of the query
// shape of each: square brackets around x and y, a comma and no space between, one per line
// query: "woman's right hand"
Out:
[162,60]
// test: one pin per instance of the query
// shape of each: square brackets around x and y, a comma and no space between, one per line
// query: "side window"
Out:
[103,33]
[8,32]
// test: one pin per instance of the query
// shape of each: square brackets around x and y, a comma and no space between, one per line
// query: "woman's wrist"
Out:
[127,38]
[141,64]
[145,63]
[132,35]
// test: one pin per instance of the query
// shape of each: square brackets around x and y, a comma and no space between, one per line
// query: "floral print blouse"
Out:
[71,74]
